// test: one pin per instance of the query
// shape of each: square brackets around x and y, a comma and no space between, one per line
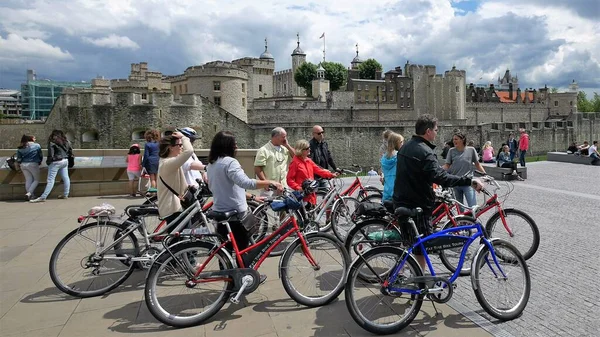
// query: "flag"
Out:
[322,35]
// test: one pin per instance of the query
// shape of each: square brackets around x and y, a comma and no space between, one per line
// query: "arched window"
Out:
[138,135]
[89,136]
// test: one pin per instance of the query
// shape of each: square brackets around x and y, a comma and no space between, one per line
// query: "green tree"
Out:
[583,105]
[336,74]
[304,76]
[368,68]
[595,103]
[553,90]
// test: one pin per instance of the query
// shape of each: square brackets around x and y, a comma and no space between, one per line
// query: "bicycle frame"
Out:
[258,252]
[422,242]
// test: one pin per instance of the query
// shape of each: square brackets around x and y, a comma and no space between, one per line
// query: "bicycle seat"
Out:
[141,211]
[221,216]
[389,206]
[411,212]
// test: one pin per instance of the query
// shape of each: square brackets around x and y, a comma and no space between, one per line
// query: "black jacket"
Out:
[319,153]
[58,152]
[417,169]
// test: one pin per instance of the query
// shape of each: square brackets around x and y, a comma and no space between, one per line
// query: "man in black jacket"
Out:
[417,169]
[319,151]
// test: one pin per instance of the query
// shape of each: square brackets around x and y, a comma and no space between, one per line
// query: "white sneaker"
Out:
[63,197]
[37,200]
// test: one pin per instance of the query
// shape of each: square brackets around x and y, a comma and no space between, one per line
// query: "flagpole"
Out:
[323,47]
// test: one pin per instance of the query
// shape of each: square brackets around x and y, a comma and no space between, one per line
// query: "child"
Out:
[134,167]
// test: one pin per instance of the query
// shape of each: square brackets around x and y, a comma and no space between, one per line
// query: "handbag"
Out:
[70,157]
[187,199]
[13,164]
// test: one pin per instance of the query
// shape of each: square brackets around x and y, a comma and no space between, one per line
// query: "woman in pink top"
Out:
[487,153]
[134,167]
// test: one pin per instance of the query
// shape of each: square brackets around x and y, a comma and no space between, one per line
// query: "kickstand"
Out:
[434,308]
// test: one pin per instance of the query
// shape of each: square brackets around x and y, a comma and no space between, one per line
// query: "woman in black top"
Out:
[59,150]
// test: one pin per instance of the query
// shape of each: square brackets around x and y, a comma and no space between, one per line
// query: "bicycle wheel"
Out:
[498,287]
[176,301]
[75,269]
[369,307]
[525,233]
[451,257]
[318,285]
[341,216]
[268,222]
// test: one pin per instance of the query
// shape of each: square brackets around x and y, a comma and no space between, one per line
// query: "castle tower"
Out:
[320,86]
[298,57]
[573,87]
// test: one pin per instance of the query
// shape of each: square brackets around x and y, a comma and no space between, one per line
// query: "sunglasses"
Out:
[320,133]
[180,145]
[306,149]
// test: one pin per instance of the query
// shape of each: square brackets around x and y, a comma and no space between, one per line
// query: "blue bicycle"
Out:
[389,298]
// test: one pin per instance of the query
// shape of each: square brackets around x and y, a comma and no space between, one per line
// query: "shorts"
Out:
[424,227]
[133,175]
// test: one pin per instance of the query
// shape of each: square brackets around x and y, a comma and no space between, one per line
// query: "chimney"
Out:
[510,92]
[518,95]
[526,100]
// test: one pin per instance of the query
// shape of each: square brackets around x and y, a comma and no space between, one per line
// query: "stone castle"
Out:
[248,97]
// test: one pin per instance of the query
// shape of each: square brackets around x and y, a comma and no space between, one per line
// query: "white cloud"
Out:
[113,41]
[15,47]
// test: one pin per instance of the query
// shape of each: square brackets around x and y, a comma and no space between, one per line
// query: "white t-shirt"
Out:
[191,175]
[592,149]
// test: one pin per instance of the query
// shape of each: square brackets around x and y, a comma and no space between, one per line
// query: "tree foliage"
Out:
[368,68]
[336,74]
[585,105]
[304,76]
[553,90]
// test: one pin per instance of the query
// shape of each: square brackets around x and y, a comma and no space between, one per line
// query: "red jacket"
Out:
[301,170]
[524,142]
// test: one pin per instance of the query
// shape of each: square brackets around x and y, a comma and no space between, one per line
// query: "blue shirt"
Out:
[32,153]
[228,182]
[388,168]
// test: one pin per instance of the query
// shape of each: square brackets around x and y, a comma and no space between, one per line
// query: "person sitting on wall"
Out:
[505,161]
[573,148]
[583,149]
[594,154]
[487,153]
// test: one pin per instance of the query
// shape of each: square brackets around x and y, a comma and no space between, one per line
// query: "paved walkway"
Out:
[564,299]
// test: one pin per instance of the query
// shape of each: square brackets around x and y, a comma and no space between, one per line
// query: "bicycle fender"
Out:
[306,236]
[479,250]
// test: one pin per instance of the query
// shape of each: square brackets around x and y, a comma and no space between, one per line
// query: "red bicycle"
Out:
[190,281]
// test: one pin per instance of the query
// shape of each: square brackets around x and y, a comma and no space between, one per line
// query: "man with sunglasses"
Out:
[272,160]
[319,152]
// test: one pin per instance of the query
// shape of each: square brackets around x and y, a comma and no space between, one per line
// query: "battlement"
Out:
[280,72]
[255,62]
[217,68]
[126,83]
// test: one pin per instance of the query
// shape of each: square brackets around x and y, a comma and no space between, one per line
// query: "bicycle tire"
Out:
[358,233]
[78,292]
[479,265]
[529,246]
[296,247]
[165,260]
[343,208]
[450,260]
[393,254]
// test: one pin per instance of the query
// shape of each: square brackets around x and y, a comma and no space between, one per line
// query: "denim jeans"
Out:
[468,192]
[53,169]
[522,154]
[31,171]
[512,155]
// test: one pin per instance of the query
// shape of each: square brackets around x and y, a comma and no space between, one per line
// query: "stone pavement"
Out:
[30,305]
[562,198]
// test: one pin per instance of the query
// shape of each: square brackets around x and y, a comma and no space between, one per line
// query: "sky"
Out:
[543,42]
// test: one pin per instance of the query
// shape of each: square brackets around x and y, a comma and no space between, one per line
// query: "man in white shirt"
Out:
[593,152]
[273,158]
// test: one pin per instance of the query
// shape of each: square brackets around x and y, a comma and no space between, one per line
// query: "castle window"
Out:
[217,85]
[185,88]
[89,136]
[358,87]
[383,87]
[217,100]
[285,87]
[401,94]
[366,87]
[260,87]
[402,105]
[384,98]
[144,96]
[391,88]
[473,94]
[175,90]
[358,97]
[408,94]
[243,102]
[401,85]
[555,103]
[366,98]
[456,89]
[243,87]
[180,90]
[570,103]
[408,105]
[391,98]
[408,84]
